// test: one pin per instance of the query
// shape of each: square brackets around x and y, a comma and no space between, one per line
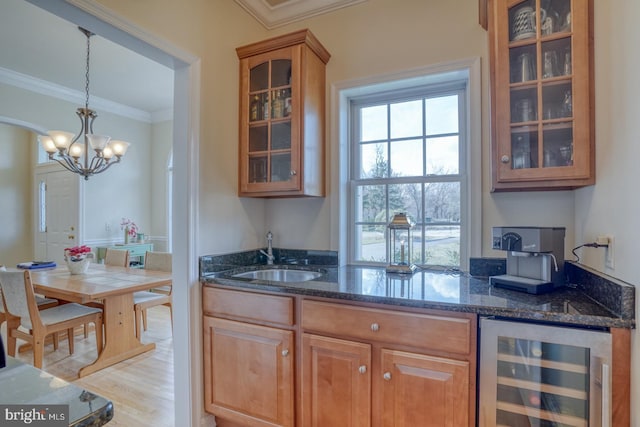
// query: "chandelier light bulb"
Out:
[98,142]
[76,151]
[47,143]
[119,147]
[61,139]
[107,153]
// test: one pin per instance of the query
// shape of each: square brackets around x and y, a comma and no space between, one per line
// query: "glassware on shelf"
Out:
[550,66]
[567,104]
[567,63]
[255,110]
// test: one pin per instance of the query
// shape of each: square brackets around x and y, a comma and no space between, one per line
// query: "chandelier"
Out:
[72,152]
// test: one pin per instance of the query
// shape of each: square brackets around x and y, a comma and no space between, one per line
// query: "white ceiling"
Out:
[275,13]
[42,52]
[45,50]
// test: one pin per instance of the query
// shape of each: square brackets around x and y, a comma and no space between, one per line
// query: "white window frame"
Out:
[456,87]
[343,92]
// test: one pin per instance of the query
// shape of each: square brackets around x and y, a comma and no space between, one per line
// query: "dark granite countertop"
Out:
[25,385]
[442,290]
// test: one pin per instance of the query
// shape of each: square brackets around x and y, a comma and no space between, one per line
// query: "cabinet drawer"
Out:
[248,306]
[428,331]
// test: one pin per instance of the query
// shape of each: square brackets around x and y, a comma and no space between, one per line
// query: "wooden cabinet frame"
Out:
[575,129]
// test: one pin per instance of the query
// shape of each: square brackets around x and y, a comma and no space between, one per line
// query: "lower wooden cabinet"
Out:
[249,373]
[272,360]
[336,382]
[422,390]
[366,367]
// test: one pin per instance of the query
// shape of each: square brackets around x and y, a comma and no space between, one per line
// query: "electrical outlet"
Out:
[608,253]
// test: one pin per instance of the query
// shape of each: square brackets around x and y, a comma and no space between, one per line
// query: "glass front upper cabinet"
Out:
[541,115]
[282,117]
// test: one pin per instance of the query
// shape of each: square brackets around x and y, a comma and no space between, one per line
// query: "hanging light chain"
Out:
[86,85]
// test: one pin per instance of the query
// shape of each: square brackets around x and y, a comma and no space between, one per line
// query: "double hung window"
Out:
[408,154]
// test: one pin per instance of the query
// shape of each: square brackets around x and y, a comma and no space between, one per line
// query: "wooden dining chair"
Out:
[20,303]
[117,257]
[159,261]
[42,302]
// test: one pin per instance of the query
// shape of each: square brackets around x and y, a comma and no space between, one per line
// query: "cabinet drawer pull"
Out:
[362,369]
[504,158]
[375,327]
[293,173]
[285,353]
[387,376]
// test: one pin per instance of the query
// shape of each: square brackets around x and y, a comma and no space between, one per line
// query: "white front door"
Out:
[58,214]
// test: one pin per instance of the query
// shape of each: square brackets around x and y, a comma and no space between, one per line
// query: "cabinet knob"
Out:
[504,158]
[362,369]
[285,353]
[375,327]
[293,173]
[387,376]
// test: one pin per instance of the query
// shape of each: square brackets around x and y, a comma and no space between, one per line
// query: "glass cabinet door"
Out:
[269,146]
[540,89]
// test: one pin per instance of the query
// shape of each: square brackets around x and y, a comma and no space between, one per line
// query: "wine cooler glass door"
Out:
[543,376]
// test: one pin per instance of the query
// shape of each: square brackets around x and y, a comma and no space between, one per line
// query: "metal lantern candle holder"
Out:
[400,245]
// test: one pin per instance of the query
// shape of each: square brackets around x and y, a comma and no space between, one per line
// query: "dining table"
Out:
[113,287]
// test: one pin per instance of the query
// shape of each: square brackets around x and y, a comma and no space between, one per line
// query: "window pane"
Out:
[370,243]
[373,160]
[443,245]
[442,202]
[406,119]
[406,158]
[370,204]
[406,198]
[442,156]
[441,115]
[373,123]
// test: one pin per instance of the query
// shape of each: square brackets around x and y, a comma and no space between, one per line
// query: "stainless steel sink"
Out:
[280,275]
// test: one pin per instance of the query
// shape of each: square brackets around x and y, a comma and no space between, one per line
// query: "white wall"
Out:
[121,191]
[16,235]
[612,206]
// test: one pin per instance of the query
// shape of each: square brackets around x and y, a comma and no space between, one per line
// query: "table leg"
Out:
[121,342]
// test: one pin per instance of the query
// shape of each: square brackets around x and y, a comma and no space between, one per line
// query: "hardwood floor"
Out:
[141,388]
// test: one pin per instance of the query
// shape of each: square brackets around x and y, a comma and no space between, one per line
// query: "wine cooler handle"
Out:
[606,396]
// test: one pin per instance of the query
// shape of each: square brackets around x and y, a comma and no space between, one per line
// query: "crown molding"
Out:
[43,87]
[276,14]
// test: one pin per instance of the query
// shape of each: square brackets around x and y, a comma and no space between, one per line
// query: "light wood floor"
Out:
[140,388]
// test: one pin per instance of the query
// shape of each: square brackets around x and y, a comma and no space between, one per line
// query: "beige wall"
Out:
[380,37]
[16,236]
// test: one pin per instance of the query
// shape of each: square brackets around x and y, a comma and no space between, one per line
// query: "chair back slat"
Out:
[160,261]
[117,257]
[20,298]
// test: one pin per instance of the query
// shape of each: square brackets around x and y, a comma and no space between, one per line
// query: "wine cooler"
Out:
[535,375]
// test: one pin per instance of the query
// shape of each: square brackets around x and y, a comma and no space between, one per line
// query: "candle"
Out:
[402,252]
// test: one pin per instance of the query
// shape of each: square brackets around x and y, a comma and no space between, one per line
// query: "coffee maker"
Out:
[535,258]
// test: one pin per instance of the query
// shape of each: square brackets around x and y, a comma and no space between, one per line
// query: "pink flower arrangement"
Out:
[77,253]
[130,225]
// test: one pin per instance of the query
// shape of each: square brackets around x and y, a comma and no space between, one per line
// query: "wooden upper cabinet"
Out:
[542,116]
[282,117]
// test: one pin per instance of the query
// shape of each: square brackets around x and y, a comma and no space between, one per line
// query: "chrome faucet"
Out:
[269,253]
